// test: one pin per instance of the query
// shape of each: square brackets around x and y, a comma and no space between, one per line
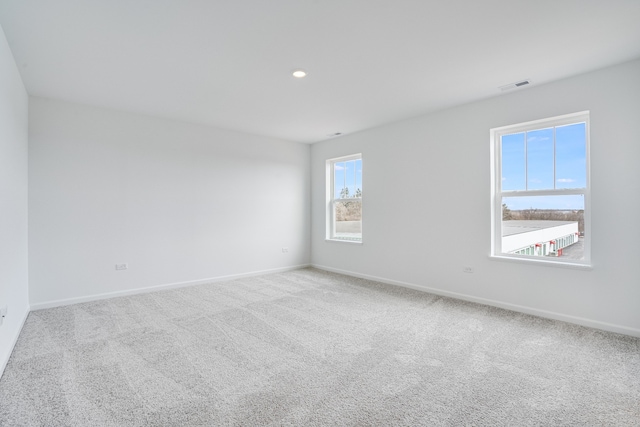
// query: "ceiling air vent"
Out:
[515,85]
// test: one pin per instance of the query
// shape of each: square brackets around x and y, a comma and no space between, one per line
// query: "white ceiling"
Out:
[228,63]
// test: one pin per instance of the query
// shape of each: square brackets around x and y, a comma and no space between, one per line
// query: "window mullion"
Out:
[554,157]
[526,160]
[550,192]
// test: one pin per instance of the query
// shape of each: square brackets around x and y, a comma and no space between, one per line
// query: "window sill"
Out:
[352,242]
[542,262]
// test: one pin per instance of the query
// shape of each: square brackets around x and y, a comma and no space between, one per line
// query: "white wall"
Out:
[14,292]
[177,202]
[426,207]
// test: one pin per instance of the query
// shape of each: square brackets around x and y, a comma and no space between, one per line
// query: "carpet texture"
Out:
[311,348]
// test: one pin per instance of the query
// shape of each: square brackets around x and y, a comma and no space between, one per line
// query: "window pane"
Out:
[348,220]
[339,183]
[540,159]
[535,221]
[571,157]
[513,162]
[358,178]
[350,180]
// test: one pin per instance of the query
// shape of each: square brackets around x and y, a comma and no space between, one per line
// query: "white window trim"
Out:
[497,194]
[330,199]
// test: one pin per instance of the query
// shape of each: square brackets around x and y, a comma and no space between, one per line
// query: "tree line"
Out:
[349,210]
[544,215]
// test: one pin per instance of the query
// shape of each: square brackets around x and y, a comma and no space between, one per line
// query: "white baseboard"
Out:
[14,340]
[508,306]
[96,297]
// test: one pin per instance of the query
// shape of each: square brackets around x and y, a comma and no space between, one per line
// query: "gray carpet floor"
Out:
[311,348]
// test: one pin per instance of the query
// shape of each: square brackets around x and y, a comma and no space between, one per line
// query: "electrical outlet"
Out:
[3,313]
[121,266]
[285,250]
[467,269]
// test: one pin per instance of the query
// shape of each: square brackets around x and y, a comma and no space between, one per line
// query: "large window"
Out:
[344,198]
[540,190]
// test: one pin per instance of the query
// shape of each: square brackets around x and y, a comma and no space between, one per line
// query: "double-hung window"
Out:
[344,198]
[540,190]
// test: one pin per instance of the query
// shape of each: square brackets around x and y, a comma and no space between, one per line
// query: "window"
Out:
[344,198]
[540,190]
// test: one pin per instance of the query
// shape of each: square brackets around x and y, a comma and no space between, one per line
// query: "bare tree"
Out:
[545,215]
[506,212]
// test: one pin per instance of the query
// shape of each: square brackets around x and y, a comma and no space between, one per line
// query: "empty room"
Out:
[320,212]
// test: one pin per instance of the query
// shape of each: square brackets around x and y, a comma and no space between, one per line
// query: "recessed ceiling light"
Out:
[299,73]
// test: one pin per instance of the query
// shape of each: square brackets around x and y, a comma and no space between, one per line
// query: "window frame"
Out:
[332,198]
[497,194]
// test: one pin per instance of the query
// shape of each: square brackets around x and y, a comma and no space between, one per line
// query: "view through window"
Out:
[541,189]
[345,198]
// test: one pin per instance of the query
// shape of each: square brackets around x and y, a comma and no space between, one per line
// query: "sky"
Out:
[530,162]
